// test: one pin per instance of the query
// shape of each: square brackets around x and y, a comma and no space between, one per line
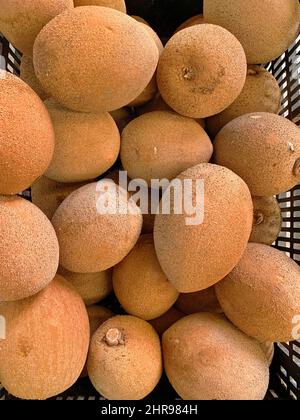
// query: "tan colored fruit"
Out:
[207,358]
[125,361]
[46,344]
[269,350]
[21,21]
[122,117]
[28,248]
[263,149]
[261,93]
[91,241]
[203,301]
[86,145]
[92,287]
[265,29]
[261,296]
[110,56]
[188,250]
[164,322]
[26,135]
[162,144]
[196,82]
[114,4]
[28,76]
[267,221]
[140,284]
[195,20]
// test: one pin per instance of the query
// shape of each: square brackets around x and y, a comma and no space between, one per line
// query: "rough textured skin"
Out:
[204,301]
[140,284]
[164,322]
[269,350]
[92,287]
[267,220]
[261,296]
[263,149]
[265,28]
[195,20]
[86,145]
[190,254]
[21,21]
[201,71]
[114,4]
[122,117]
[46,344]
[162,144]
[131,369]
[26,135]
[28,76]
[28,248]
[207,358]
[48,195]
[261,93]
[94,59]
[89,241]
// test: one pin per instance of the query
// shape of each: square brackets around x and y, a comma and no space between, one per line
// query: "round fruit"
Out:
[203,301]
[269,350]
[164,322]
[122,117]
[267,220]
[195,20]
[125,361]
[261,296]
[114,4]
[28,76]
[196,82]
[94,59]
[264,150]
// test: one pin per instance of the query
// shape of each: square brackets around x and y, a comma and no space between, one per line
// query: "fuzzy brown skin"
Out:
[261,296]
[162,144]
[86,145]
[21,21]
[140,284]
[207,358]
[91,242]
[204,301]
[28,76]
[94,59]
[26,135]
[193,81]
[267,220]
[122,117]
[261,93]
[190,255]
[92,287]
[46,344]
[263,149]
[125,361]
[28,248]
[165,321]
[195,20]
[265,29]
[114,4]
[269,350]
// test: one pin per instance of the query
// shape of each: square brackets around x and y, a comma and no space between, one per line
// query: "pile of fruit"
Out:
[206,302]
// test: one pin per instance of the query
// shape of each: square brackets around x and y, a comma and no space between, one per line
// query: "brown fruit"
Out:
[26,135]
[125,361]
[203,301]
[94,59]
[188,250]
[122,117]
[261,296]
[140,284]
[207,358]
[269,350]
[267,220]
[263,149]
[193,81]
[28,76]
[195,20]
[46,344]
[165,321]
[114,4]
[28,248]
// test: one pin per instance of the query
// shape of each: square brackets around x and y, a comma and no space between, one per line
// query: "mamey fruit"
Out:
[92,239]
[263,149]
[26,135]
[140,284]
[267,220]
[265,29]
[261,296]
[207,358]
[28,247]
[195,82]
[162,144]
[46,344]
[86,145]
[269,350]
[28,76]
[165,321]
[188,245]
[125,361]
[114,4]
[110,56]
[203,301]
[195,20]
[122,117]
